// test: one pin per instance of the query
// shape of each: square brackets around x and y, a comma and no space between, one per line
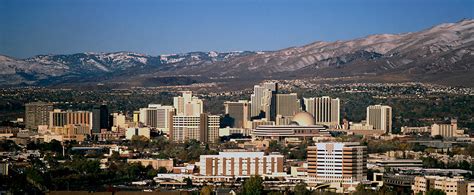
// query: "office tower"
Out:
[100,118]
[157,116]
[238,113]
[187,104]
[287,104]
[337,162]
[263,101]
[37,113]
[325,110]
[204,128]
[241,164]
[59,118]
[380,117]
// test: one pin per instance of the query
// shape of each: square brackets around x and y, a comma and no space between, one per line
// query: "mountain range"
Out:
[443,54]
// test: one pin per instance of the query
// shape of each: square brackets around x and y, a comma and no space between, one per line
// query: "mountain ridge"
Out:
[441,54]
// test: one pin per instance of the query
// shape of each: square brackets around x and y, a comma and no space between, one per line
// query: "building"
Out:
[451,186]
[409,130]
[155,163]
[187,104]
[100,118]
[241,164]
[157,116]
[238,114]
[325,110]
[204,128]
[142,131]
[380,117]
[344,163]
[60,118]
[287,104]
[447,130]
[234,131]
[37,113]
[118,120]
[263,101]
[301,127]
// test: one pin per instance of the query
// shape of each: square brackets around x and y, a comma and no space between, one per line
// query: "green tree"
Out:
[162,170]
[253,186]
[300,189]
[206,190]
[189,182]
[435,192]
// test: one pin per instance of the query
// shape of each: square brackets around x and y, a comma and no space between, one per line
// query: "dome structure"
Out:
[303,119]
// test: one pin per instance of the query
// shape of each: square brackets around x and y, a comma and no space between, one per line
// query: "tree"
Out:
[162,170]
[253,186]
[189,182]
[300,189]
[206,190]
[435,192]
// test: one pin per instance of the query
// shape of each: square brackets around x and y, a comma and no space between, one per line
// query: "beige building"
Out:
[447,130]
[451,186]
[238,112]
[187,104]
[287,104]
[380,117]
[60,118]
[325,110]
[155,163]
[204,128]
[263,101]
[37,113]
[241,164]
[344,163]
[157,116]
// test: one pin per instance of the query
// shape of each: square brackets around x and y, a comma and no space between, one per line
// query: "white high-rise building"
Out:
[380,116]
[263,101]
[157,116]
[187,104]
[326,111]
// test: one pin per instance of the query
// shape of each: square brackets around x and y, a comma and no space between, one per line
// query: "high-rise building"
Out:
[60,118]
[240,164]
[187,104]
[100,118]
[287,104]
[325,110]
[204,128]
[380,116]
[238,113]
[344,163]
[157,116]
[263,101]
[37,113]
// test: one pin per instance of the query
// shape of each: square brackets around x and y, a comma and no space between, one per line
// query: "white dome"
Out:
[303,119]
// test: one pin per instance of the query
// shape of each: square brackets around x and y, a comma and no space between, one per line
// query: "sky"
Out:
[153,27]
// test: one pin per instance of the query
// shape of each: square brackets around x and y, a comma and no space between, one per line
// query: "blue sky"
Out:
[32,27]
